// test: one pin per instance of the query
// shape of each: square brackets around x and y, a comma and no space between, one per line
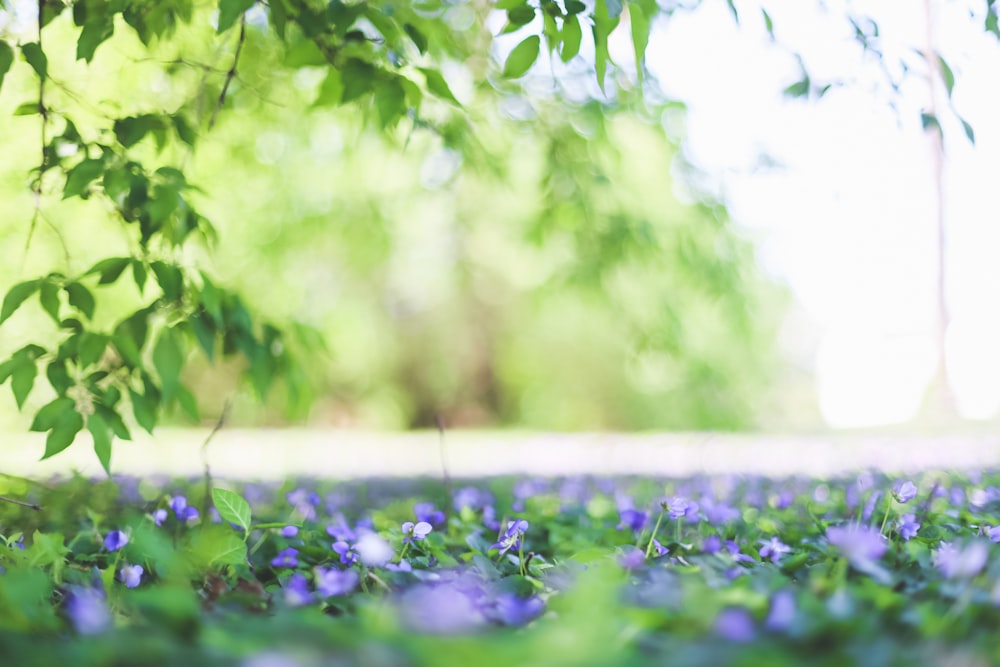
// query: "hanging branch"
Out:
[231,74]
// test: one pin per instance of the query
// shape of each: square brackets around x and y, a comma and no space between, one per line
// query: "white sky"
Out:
[849,222]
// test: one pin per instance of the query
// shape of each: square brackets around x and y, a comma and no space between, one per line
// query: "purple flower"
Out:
[130,575]
[347,555]
[712,544]
[677,507]
[159,516]
[516,611]
[860,545]
[426,512]
[331,582]
[782,612]
[341,531]
[401,566]
[439,610]
[956,563]
[286,558]
[734,551]
[659,548]
[304,502]
[869,508]
[907,525]
[632,519]
[289,531]
[904,492]
[774,549]
[115,540]
[185,513]
[511,538]
[632,558]
[470,497]
[718,514]
[88,611]
[735,624]
[297,590]
[414,532]
[992,532]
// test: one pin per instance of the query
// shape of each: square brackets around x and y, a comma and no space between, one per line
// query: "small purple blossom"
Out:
[735,624]
[904,491]
[341,530]
[677,507]
[297,590]
[159,516]
[712,544]
[782,613]
[734,551]
[774,549]
[401,566]
[659,548]
[516,611]
[185,513]
[348,556]
[511,539]
[964,563]
[286,558]
[290,531]
[426,512]
[414,532]
[632,519]
[439,610]
[331,582]
[860,545]
[992,532]
[907,525]
[130,575]
[88,611]
[115,540]
[632,558]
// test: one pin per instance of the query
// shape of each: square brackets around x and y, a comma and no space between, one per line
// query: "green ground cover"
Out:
[697,571]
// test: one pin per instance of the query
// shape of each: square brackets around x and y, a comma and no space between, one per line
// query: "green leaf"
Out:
[81,299]
[33,53]
[230,10]
[604,23]
[168,358]
[58,376]
[929,121]
[92,346]
[95,32]
[28,109]
[214,545]
[437,84]
[572,35]
[129,337]
[390,101]
[21,382]
[50,414]
[187,402]
[63,433]
[418,38]
[204,331]
[144,408]
[100,431]
[768,23]
[947,76]
[130,131]
[522,57]
[614,8]
[733,11]
[110,269]
[232,507]
[970,134]
[521,15]
[139,274]
[574,7]
[170,280]
[6,59]
[640,23]
[81,176]
[358,78]
[16,296]
[331,91]
[798,89]
[48,296]
[185,132]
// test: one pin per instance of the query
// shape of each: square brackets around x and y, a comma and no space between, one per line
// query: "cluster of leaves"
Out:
[862,570]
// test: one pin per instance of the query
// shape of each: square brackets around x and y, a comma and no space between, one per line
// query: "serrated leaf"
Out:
[100,431]
[63,433]
[33,53]
[232,507]
[436,84]
[81,299]
[6,59]
[17,295]
[230,10]
[572,35]
[168,358]
[522,57]
[21,382]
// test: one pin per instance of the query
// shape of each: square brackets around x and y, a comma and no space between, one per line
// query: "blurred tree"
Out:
[482,226]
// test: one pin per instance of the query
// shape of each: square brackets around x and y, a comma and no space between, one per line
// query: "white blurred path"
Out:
[275,454]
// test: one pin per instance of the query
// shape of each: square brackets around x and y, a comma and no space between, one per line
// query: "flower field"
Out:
[710,570]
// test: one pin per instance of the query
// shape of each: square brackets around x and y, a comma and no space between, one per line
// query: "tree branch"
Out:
[231,74]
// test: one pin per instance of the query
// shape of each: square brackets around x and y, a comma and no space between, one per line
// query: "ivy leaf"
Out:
[63,432]
[437,85]
[36,58]
[572,35]
[232,507]
[522,57]
[6,59]
[230,10]
[101,433]
[16,296]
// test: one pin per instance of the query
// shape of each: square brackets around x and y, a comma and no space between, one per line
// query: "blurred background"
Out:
[737,254]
